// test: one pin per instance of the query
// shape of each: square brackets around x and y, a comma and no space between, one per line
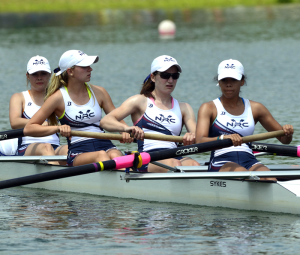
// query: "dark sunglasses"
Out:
[167,76]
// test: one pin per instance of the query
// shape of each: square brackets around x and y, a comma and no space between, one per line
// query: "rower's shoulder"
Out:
[207,109]
[184,104]
[98,89]
[137,100]
[17,96]
[208,105]
[55,97]
[255,105]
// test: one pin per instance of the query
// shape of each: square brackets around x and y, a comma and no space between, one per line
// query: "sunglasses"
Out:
[167,76]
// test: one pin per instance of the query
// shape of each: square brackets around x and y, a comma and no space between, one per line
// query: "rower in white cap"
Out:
[156,111]
[24,105]
[77,105]
[232,117]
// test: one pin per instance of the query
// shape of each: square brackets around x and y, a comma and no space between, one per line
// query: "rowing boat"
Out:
[189,185]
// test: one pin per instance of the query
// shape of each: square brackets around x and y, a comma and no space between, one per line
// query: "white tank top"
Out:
[81,117]
[226,124]
[29,110]
[158,121]
[9,147]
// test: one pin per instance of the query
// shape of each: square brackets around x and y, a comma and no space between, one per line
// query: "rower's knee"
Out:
[102,156]
[47,149]
[114,154]
[176,162]
[195,163]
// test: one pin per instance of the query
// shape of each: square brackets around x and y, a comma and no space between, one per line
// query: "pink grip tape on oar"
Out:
[127,161]
[298,151]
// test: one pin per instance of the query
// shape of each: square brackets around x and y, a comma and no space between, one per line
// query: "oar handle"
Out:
[96,135]
[169,138]
[110,136]
[263,136]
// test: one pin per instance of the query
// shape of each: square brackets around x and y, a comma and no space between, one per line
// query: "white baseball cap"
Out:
[230,69]
[38,63]
[74,58]
[163,63]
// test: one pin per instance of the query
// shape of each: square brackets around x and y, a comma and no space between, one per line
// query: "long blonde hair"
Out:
[56,83]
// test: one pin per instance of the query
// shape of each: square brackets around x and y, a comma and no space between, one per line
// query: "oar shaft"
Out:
[110,136]
[58,174]
[10,134]
[282,150]
[96,135]
[263,136]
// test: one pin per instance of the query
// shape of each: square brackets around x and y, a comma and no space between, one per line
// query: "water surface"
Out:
[36,221]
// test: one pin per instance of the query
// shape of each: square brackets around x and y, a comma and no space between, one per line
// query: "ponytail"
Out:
[148,87]
[56,83]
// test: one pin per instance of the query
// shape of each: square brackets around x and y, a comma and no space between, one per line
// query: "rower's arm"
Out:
[111,122]
[16,110]
[262,114]
[204,121]
[189,121]
[34,127]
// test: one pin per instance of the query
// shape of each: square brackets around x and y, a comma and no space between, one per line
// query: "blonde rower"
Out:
[78,105]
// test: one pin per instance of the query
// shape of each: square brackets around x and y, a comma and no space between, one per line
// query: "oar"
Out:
[278,149]
[128,160]
[170,138]
[110,136]
[10,134]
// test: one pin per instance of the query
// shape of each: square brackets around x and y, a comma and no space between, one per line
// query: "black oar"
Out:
[278,149]
[10,134]
[129,160]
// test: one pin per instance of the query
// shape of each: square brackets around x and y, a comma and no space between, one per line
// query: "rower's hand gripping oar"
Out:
[128,160]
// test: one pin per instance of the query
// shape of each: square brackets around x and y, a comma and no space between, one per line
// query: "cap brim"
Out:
[230,74]
[34,70]
[89,60]
[166,67]
[58,73]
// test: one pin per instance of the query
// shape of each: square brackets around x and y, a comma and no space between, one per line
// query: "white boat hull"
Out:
[245,195]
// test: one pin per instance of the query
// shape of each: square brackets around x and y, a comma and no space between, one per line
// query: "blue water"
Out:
[43,222]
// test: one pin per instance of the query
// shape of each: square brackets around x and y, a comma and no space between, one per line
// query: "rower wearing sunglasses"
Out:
[156,111]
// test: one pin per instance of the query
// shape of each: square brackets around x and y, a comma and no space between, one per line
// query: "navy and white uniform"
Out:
[83,118]
[158,121]
[29,110]
[227,124]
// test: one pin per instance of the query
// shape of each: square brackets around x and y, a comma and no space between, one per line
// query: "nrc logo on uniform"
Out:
[235,124]
[69,103]
[39,62]
[162,118]
[232,66]
[150,105]
[169,59]
[29,104]
[86,115]
[222,113]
